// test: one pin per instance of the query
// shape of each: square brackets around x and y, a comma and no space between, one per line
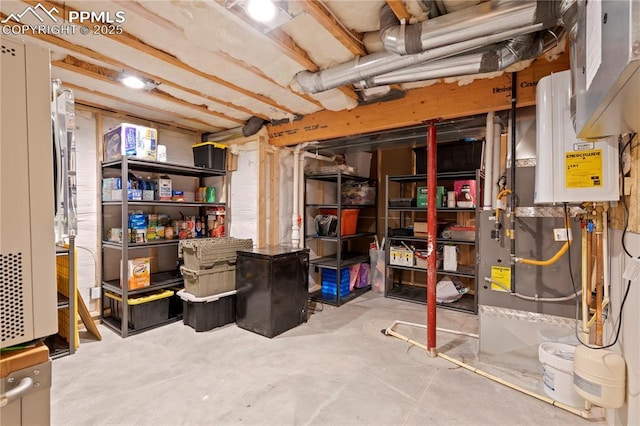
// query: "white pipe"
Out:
[586,414]
[497,147]
[295,227]
[298,165]
[488,162]
[585,288]
[605,253]
[444,330]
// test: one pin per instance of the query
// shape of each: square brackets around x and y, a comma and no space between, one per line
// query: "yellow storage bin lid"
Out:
[215,145]
[138,300]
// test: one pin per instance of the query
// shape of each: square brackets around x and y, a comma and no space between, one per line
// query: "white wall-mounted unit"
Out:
[605,66]
[28,267]
[569,169]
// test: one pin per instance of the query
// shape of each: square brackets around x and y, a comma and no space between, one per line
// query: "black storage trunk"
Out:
[210,155]
[273,288]
[205,316]
[452,157]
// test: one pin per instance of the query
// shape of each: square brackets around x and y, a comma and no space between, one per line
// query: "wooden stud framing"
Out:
[444,100]
[135,43]
[632,185]
[349,39]
[399,9]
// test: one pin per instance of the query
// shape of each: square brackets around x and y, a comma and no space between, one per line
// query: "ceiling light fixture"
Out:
[133,82]
[261,10]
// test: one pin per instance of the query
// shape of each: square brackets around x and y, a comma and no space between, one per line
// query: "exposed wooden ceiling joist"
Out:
[133,42]
[399,9]
[109,76]
[77,88]
[286,45]
[444,101]
[349,39]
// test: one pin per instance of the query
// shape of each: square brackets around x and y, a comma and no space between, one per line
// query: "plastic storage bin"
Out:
[207,252]
[210,155]
[145,310]
[348,222]
[329,284]
[207,282]
[207,313]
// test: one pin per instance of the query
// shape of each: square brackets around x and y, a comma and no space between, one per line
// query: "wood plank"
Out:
[632,184]
[443,100]
[400,10]
[125,116]
[349,39]
[72,47]
[12,361]
[110,76]
[133,42]
[127,101]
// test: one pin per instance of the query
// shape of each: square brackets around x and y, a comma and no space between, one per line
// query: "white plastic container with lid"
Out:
[557,377]
[599,376]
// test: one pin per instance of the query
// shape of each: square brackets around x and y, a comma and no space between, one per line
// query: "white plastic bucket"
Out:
[557,376]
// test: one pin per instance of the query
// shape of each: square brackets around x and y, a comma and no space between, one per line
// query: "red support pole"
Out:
[432,229]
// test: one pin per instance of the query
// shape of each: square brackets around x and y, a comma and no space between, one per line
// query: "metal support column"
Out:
[432,228]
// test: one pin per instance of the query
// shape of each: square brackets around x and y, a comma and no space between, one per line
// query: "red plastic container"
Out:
[348,221]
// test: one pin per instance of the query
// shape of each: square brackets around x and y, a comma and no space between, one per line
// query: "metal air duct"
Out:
[442,37]
[497,58]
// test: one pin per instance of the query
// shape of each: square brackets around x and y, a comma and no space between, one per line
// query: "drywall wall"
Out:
[629,341]
[87,204]
[244,193]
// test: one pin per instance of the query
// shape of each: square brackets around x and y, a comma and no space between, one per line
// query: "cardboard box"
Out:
[139,270]
[421,196]
[420,229]
[163,189]
[130,140]
[400,256]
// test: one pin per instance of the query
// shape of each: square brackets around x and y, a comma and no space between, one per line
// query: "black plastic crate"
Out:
[175,304]
[210,155]
[460,156]
[207,313]
[145,310]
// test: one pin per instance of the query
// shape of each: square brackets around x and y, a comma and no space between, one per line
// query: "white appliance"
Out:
[605,64]
[27,269]
[569,169]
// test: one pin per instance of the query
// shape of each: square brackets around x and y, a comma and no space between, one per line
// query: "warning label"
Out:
[500,278]
[583,169]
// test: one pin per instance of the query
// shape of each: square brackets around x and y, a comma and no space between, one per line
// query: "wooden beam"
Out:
[129,102]
[75,48]
[109,76]
[445,101]
[399,9]
[285,44]
[133,42]
[349,39]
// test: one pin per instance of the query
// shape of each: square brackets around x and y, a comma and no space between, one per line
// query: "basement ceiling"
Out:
[213,67]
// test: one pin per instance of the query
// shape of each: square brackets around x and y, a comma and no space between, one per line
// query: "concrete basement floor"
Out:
[337,369]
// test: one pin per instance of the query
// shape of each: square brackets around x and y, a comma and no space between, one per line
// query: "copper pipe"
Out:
[432,222]
[599,274]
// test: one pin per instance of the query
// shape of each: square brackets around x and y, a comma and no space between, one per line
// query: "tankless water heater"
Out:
[569,169]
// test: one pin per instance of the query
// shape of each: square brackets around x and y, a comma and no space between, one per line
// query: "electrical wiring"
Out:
[627,252]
